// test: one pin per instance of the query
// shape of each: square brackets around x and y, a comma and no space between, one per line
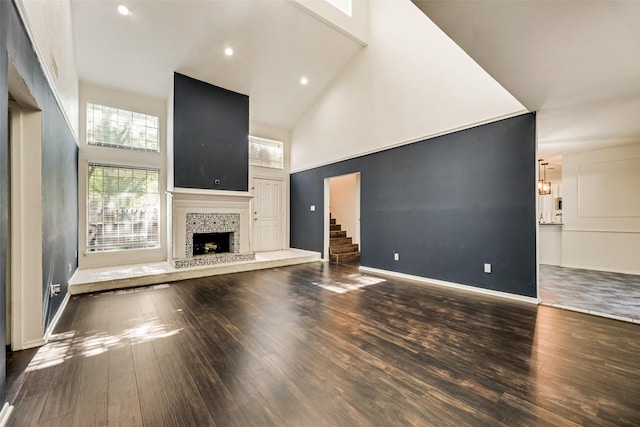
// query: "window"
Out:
[123,208]
[115,127]
[265,152]
[342,5]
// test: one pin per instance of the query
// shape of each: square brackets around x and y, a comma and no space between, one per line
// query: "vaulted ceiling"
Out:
[275,43]
[576,63]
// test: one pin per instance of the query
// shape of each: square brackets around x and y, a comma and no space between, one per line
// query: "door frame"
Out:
[327,211]
[27,316]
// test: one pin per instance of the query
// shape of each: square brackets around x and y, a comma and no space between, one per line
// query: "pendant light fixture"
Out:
[544,186]
[540,180]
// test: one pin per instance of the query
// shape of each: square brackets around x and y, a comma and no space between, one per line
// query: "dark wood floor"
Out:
[286,347]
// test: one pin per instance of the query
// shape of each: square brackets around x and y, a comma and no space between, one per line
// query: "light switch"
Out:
[396,256]
[313,208]
[487,268]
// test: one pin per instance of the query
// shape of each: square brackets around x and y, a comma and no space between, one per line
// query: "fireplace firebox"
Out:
[211,243]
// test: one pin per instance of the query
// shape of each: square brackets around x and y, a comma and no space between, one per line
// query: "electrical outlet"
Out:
[313,208]
[487,268]
[396,256]
[54,290]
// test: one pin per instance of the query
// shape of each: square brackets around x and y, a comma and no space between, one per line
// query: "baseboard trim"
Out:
[56,318]
[5,414]
[39,342]
[459,286]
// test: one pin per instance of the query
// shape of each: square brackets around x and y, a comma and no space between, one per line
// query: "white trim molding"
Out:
[56,318]
[5,414]
[467,288]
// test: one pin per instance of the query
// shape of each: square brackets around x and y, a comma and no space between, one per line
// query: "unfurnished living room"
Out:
[320,213]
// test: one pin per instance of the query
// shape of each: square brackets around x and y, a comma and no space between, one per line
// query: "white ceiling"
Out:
[576,63]
[276,42]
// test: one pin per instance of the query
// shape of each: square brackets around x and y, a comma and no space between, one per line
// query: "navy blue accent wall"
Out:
[210,136]
[59,172]
[447,205]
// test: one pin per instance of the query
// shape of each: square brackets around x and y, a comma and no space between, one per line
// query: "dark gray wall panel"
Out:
[59,165]
[210,137]
[447,205]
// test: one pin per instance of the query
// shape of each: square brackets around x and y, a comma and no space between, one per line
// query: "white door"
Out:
[268,214]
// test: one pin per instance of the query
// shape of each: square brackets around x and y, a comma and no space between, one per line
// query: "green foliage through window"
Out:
[124,208]
[114,127]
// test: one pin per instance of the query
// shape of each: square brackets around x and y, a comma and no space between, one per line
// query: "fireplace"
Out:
[210,230]
[212,243]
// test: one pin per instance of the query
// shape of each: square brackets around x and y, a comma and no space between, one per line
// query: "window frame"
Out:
[113,145]
[102,249]
[120,157]
[271,141]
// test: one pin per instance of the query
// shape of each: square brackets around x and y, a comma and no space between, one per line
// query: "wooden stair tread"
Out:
[350,256]
[342,249]
[336,241]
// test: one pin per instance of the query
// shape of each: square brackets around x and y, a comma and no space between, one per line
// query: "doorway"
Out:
[25,302]
[268,214]
[342,218]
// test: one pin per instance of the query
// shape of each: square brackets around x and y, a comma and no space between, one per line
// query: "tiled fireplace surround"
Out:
[209,213]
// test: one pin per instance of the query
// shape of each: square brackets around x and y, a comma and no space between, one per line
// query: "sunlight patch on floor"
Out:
[67,345]
[357,281]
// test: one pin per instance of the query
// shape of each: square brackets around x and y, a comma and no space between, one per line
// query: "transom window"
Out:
[116,127]
[123,208]
[266,153]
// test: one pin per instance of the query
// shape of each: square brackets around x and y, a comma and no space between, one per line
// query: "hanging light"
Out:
[540,180]
[544,186]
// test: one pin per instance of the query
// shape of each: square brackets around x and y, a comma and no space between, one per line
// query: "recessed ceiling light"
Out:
[304,81]
[123,10]
[228,51]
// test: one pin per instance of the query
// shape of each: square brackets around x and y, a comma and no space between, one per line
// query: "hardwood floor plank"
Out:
[92,402]
[280,348]
[123,408]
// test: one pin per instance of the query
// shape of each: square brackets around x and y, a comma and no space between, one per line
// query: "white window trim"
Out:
[120,157]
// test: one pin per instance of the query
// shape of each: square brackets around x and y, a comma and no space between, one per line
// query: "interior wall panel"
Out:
[446,205]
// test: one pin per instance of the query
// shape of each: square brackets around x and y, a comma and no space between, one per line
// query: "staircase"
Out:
[341,248]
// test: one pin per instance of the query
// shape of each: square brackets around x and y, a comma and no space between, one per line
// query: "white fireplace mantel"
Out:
[194,192]
[183,202]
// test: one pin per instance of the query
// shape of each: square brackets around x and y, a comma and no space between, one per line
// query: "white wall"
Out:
[409,83]
[343,202]
[49,25]
[601,209]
